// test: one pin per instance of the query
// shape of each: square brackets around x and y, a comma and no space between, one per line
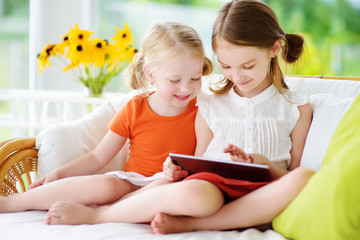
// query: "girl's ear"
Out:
[147,72]
[276,48]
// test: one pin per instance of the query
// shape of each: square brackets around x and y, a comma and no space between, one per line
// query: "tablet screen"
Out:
[236,170]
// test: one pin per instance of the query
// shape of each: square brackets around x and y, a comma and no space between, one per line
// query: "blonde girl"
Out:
[156,122]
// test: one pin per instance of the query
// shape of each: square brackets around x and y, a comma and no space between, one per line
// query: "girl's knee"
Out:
[114,185]
[199,187]
[304,173]
[204,196]
[301,175]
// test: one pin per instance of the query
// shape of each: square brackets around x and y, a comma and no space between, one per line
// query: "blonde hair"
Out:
[164,41]
[254,23]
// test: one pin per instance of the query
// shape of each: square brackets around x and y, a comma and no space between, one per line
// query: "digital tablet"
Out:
[236,170]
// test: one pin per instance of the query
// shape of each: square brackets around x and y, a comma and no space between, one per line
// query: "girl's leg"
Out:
[258,207]
[87,190]
[155,183]
[193,198]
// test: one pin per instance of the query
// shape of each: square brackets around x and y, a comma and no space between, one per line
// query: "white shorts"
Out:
[136,178]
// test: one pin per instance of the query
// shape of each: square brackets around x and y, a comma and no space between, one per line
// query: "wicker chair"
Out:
[18,165]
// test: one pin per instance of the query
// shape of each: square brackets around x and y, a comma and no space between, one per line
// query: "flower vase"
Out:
[91,94]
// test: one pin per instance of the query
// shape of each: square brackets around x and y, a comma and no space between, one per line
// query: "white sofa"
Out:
[63,142]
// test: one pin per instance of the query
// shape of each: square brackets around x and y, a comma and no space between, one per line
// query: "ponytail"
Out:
[137,79]
[293,48]
[291,53]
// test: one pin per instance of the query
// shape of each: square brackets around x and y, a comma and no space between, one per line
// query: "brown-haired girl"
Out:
[254,109]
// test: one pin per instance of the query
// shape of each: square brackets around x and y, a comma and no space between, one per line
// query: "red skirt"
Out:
[231,188]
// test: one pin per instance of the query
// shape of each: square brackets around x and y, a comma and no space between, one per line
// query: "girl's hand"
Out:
[44,180]
[237,154]
[260,159]
[173,172]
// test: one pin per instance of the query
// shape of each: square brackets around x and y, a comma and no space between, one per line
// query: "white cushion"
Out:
[64,142]
[328,110]
[343,88]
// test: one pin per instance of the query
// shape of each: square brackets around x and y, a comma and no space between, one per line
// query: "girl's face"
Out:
[177,81]
[247,67]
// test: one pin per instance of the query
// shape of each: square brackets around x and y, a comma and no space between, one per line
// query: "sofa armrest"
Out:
[18,159]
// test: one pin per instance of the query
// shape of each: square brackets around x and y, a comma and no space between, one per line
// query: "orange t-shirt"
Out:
[153,137]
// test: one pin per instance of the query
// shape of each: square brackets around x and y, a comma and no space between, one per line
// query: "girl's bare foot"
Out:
[70,214]
[164,224]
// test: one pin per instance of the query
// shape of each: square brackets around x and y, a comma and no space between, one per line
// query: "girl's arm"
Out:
[276,171]
[299,134]
[238,155]
[88,163]
[204,135]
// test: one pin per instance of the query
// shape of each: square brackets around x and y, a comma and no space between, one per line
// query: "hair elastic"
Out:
[140,56]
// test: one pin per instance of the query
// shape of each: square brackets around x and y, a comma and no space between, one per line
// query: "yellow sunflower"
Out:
[60,47]
[130,53]
[43,56]
[79,53]
[98,52]
[123,37]
[115,54]
[77,36]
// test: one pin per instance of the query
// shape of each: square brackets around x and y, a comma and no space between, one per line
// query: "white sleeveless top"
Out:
[261,124]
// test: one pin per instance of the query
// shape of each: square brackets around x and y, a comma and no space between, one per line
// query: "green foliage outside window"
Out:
[331,30]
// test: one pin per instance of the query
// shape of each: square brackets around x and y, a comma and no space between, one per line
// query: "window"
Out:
[14,42]
[14,50]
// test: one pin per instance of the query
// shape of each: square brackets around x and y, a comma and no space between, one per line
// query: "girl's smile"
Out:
[244,83]
[183,97]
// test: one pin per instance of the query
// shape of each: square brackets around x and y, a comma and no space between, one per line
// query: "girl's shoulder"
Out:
[298,93]
[139,98]
[135,103]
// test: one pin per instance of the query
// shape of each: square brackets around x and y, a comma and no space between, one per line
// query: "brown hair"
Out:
[164,41]
[254,23]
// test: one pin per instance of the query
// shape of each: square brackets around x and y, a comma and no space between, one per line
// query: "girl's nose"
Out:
[184,87]
[237,76]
